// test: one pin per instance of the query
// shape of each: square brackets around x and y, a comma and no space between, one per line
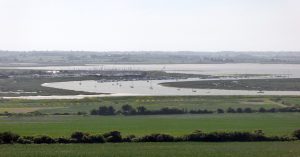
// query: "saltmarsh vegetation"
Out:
[275,84]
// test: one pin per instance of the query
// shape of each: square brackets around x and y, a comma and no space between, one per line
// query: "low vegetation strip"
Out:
[286,84]
[141,110]
[128,110]
[151,103]
[116,137]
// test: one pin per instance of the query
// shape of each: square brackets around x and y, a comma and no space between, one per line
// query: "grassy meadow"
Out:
[54,125]
[150,102]
[195,149]
[281,124]
[270,123]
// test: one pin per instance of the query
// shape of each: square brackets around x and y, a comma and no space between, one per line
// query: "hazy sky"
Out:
[104,25]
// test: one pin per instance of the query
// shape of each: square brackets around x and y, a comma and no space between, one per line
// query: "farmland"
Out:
[150,102]
[56,126]
[231,149]
[272,124]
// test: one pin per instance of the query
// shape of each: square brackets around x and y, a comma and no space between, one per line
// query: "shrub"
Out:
[195,136]
[157,138]
[239,110]
[81,113]
[167,110]
[296,134]
[259,135]
[29,137]
[141,109]
[220,110]
[216,136]
[113,136]
[262,110]
[96,139]
[178,139]
[231,110]
[200,112]
[129,138]
[280,138]
[272,110]
[79,136]
[8,137]
[164,138]
[103,110]
[23,140]
[128,110]
[94,112]
[226,136]
[241,136]
[43,139]
[63,140]
[248,110]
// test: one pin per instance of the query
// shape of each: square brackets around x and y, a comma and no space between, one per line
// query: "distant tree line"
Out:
[37,113]
[261,110]
[116,137]
[141,110]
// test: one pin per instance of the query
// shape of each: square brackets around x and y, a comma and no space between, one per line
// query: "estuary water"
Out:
[151,88]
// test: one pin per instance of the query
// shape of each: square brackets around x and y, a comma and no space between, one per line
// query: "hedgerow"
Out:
[116,137]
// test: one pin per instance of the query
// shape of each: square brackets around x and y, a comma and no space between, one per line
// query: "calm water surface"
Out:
[152,88]
[134,88]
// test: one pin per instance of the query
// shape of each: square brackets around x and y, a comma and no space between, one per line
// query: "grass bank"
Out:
[55,126]
[230,149]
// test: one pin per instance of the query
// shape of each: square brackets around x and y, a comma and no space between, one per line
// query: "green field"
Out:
[286,84]
[271,123]
[150,102]
[196,149]
[281,124]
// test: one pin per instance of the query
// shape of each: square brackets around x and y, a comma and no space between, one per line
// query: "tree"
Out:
[141,109]
[272,110]
[231,110]
[296,133]
[239,110]
[8,137]
[96,139]
[127,109]
[220,110]
[113,136]
[43,139]
[104,110]
[94,112]
[262,110]
[248,110]
[79,136]
[111,110]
